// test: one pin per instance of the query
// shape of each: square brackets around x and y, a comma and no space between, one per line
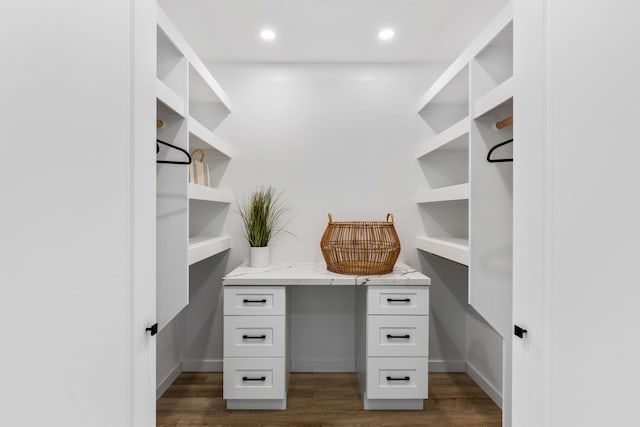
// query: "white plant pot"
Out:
[259,257]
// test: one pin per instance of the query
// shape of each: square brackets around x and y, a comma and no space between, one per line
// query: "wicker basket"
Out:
[360,247]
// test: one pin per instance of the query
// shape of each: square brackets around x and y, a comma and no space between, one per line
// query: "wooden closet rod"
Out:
[504,123]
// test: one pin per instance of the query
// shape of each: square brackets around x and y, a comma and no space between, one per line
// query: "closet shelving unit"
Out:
[466,207]
[451,192]
[444,204]
[491,220]
[468,203]
[190,217]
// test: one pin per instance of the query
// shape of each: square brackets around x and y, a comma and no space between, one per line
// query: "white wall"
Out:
[66,270]
[447,312]
[337,139]
[169,354]
[484,356]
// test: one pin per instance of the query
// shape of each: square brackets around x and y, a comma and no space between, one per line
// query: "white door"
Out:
[78,213]
[530,218]
[143,171]
[576,210]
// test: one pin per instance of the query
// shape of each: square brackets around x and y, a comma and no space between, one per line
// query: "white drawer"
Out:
[254,336]
[397,378]
[254,300]
[255,378]
[401,336]
[410,300]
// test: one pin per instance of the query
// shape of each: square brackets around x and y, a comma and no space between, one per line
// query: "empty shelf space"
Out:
[202,247]
[169,98]
[204,89]
[497,97]
[454,249]
[453,192]
[211,194]
[454,138]
[451,88]
[203,138]
[174,44]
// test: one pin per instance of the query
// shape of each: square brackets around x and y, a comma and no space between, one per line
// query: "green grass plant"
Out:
[262,214]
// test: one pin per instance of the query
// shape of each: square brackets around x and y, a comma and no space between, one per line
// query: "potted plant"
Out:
[262,215]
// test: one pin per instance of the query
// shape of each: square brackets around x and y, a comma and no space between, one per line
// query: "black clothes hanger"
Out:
[172,162]
[490,160]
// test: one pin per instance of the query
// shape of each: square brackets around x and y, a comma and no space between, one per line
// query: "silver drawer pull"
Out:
[400,337]
[254,337]
[398,378]
[254,379]
[254,301]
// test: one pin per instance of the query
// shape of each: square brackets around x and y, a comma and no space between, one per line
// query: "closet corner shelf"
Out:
[209,194]
[169,98]
[443,194]
[503,19]
[451,78]
[165,24]
[454,249]
[203,138]
[448,137]
[202,247]
[495,98]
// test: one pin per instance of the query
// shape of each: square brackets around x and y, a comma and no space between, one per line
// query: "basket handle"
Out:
[390,215]
[330,217]
[199,151]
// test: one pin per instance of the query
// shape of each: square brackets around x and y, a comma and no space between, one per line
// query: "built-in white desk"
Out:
[391,333]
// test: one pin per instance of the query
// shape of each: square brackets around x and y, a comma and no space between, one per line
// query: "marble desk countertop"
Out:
[317,274]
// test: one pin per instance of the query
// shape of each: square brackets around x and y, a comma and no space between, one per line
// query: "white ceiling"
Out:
[330,30]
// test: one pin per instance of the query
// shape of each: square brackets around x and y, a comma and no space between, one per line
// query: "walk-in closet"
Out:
[304,212]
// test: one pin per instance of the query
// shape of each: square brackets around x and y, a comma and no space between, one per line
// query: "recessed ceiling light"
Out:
[386,34]
[268,34]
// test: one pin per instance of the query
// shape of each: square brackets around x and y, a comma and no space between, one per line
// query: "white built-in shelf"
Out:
[203,138]
[169,98]
[499,96]
[210,194]
[452,88]
[454,138]
[202,247]
[165,24]
[455,70]
[453,192]
[454,249]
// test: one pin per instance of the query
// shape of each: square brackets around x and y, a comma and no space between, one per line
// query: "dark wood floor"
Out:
[331,399]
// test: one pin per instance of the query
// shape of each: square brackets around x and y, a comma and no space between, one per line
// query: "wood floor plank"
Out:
[325,400]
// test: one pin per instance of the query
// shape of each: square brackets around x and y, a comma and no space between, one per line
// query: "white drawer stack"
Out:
[397,342]
[254,345]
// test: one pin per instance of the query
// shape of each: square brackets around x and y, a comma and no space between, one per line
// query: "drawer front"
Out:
[254,378]
[398,336]
[254,336]
[254,300]
[408,300]
[397,378]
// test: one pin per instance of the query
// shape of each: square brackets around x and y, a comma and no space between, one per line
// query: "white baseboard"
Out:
[168,380]
[447,366]
[312,365]
[199,365]
[485,385]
